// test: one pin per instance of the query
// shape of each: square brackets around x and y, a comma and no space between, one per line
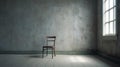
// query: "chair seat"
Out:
[48,46]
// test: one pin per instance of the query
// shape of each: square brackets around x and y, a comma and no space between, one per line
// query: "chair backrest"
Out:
[51,39]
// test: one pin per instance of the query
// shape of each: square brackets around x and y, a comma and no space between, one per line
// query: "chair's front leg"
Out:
[43,53]
[47,52]
[52,53]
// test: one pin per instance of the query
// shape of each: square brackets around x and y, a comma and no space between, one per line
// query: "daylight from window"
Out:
[109,17]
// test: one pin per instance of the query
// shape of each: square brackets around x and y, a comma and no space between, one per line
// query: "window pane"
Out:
[114,27]
[111,3]
[106,16]
[111,28]
[106,28]
[111,14]
[103,19]
[107,4]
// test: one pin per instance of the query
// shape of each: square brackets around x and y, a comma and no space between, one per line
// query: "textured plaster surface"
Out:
[25,23]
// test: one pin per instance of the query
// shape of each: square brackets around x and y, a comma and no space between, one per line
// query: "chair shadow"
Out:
[35,56]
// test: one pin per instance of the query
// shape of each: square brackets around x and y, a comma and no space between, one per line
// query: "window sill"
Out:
[109,37]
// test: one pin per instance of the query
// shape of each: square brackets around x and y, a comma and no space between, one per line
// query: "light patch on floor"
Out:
[35,60]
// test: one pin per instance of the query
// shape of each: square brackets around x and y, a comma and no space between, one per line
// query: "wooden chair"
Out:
[47,46]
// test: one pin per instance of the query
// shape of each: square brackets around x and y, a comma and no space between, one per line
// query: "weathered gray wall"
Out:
[25,23]
[108,45]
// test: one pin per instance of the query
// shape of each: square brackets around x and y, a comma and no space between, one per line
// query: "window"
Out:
[109,17]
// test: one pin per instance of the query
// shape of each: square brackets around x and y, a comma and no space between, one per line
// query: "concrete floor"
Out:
[35,60]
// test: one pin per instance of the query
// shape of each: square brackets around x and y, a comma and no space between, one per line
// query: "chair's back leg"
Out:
[54,49]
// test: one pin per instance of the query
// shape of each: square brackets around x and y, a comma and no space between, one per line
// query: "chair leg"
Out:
[52,53]
[47,52]
[43,53]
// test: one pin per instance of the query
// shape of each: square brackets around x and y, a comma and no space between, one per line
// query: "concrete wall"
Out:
[25,23]
[108,45]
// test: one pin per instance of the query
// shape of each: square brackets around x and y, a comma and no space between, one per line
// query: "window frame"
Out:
[112,22]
